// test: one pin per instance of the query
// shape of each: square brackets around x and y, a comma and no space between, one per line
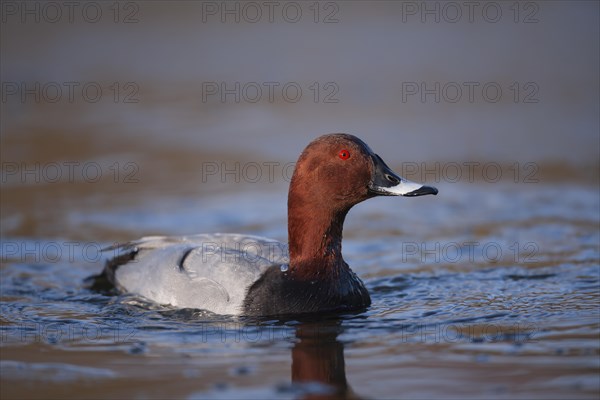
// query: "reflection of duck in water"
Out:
[318,357]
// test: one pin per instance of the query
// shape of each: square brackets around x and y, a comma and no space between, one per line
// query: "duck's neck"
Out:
[315,237]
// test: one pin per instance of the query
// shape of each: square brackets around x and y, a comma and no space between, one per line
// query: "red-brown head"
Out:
[333,173]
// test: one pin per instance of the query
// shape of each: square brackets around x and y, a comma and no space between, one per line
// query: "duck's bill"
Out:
[404,188]
[386,183]
[409,189]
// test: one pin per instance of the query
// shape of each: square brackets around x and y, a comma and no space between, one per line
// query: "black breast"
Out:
[281,293]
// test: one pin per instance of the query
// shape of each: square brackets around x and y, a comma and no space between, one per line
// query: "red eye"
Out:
[344,154]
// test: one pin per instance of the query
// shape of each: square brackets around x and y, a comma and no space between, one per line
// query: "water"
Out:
[490,289]
[450,314]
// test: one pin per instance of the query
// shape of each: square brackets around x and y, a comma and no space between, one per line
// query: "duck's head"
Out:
[337,171]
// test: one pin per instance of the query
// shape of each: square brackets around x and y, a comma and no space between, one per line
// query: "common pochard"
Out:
[255,276]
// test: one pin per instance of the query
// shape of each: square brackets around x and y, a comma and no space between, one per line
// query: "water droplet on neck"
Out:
[284,267]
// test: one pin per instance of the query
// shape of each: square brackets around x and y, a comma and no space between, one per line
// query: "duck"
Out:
[247,275]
